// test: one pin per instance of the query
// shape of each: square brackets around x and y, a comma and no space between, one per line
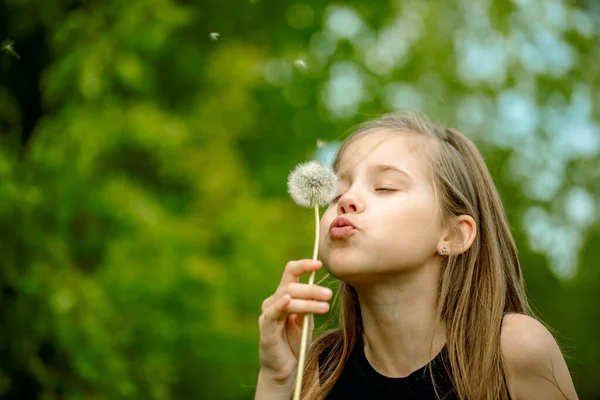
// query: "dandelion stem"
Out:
[316,246]
[311,279]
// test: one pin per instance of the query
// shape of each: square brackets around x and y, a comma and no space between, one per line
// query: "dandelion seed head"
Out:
[214,35]
[311,183]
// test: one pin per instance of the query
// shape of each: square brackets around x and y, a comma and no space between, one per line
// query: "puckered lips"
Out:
[341,227]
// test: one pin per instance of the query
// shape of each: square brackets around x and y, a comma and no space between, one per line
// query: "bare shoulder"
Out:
[535,366]
[525,341]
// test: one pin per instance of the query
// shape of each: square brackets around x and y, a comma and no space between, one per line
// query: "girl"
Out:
[433,304]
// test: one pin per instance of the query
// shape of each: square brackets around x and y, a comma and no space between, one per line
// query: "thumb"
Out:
[298,320]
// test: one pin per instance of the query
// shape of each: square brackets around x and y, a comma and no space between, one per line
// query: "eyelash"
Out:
[336,198]
[385,190]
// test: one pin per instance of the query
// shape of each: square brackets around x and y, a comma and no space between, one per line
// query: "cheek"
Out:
[417,215]
[327,217]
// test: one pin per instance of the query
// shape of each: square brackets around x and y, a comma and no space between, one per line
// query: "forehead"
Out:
[406,150]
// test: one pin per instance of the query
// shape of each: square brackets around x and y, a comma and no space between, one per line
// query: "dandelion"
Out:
[7,46]
[310,185]
[214,36]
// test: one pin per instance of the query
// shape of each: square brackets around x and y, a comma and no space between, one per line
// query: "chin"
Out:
[342,263]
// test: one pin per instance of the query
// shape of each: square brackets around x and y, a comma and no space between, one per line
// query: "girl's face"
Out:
[387,194]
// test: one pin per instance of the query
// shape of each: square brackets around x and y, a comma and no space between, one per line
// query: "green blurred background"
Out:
[145,146]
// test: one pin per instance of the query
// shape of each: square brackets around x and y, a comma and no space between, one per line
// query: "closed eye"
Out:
[336,198]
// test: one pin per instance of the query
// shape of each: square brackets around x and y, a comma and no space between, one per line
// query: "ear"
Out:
[461,237]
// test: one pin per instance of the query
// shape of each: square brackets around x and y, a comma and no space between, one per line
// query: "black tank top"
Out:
[359,380]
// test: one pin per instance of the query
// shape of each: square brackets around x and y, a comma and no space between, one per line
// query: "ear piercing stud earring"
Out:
[443,251]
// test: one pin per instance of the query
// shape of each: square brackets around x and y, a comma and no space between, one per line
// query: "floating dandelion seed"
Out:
[214,36]
[321,144]
[310,185]
[7,46]
[300,64]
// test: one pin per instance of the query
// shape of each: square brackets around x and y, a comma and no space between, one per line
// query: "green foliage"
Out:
[145,218]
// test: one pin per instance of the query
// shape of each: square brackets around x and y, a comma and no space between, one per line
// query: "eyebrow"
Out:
[378,168]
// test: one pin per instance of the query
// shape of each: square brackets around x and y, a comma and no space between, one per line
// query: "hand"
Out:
[282,318]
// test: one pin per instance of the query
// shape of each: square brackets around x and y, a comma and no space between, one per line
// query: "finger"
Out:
[276,311]
[299,291]
[294,269]
[292,273]
[269,320]
[286,306]
[298,306]
[298,320]
[305,291]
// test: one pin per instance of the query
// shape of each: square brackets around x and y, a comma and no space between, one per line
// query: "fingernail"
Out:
[326,292]
[323,306]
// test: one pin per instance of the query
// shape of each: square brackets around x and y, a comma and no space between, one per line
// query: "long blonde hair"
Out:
[476,288]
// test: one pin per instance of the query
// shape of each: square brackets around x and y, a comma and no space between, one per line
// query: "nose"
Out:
[349,203]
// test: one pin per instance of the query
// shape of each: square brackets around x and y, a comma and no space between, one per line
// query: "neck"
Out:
[401,332]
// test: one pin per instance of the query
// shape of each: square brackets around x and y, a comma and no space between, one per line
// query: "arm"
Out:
[268,389]
[281,325]
[535,367]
